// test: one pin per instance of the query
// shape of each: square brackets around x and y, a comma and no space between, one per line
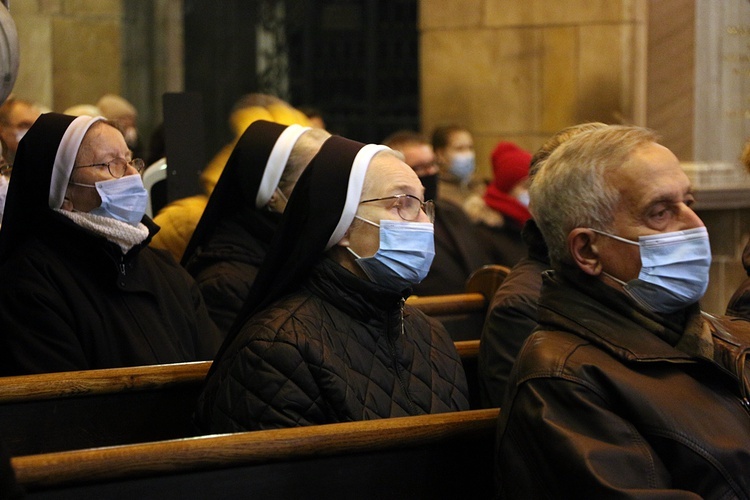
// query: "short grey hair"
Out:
[571,188]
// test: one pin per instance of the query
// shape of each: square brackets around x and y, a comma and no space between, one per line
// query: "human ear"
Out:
[344,241]
[585,251]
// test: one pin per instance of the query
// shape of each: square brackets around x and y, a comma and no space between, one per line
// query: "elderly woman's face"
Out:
[386,176]
[101,144]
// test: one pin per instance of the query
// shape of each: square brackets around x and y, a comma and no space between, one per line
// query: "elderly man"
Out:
[79,288]
[512,314]
[325,335]
[625,389]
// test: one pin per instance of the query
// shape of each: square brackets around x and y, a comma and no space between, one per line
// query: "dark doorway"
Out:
[355,60]
[358,62]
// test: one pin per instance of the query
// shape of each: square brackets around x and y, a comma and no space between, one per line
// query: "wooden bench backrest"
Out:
[74,410]
[445,455]
[463,314]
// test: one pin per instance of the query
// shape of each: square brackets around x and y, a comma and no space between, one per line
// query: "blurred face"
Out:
[656,197]
[101,144]
[386,176]
[459,142]
[420,158]
[21,118]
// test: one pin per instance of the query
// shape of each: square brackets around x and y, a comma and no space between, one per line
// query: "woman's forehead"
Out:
[388,175]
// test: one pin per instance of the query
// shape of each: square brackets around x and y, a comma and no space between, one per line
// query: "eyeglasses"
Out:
[117,167]
[408,206]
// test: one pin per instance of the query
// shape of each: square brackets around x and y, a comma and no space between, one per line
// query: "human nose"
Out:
[689,218]
[427,212]
[134,166]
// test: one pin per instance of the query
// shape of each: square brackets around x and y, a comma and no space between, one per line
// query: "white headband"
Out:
[66,156]
[277,162]
[354,190]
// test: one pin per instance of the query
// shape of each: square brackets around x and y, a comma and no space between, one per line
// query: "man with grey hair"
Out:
[626,388]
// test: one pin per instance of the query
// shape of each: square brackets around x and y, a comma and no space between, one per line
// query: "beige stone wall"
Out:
[70,50]
[520,70]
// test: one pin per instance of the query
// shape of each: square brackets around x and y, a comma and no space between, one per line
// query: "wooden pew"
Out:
[446,455]
[74,410]
[463,314]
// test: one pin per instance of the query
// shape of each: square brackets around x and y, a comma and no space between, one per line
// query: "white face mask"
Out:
[523,198]
[674,269]
[462,165]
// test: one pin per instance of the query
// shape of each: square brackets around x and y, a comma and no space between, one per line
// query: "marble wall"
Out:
[521,70]
[70,50]
[74,51]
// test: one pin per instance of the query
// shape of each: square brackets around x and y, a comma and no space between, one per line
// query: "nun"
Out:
[325,335]
[233,235]
[79,287]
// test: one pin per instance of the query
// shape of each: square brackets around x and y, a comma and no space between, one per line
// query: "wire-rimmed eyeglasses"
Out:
[408,206]
[117,167]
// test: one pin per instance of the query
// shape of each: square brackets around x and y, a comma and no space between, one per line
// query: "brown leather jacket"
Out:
[602,405]
[739,304]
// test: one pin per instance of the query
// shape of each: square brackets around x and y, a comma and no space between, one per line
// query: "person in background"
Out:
[83,109]
[502,210]
[325,335]
[625,389]
[5,170]
[79,287]
[314,116]
[454,153]
[505,201]
[232,237]
[179,218]
[121,113]
[739,304]
[458,250]
[512,314]
[16,117]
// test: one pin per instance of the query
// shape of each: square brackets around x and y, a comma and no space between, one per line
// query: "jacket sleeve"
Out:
[508,324]
[269,386]
[37,333]
[559,439]
[739,304]
[208,337]
[225,286]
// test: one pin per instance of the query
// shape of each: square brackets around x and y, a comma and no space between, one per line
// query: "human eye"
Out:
[660,212]
[410,206]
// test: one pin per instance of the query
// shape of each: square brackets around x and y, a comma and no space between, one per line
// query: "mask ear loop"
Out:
[281,194]
[367,221]
[615,237]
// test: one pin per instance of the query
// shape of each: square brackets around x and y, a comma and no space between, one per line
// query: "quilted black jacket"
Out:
[339,349]
[225,269]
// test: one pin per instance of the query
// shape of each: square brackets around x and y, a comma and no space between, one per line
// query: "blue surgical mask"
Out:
[674,269]
[404,256]
[523,198]
[462,166]
[124,199]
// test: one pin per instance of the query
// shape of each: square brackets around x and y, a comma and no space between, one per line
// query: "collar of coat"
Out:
[608,319]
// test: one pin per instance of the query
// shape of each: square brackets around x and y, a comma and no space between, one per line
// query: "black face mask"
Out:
[430,183]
